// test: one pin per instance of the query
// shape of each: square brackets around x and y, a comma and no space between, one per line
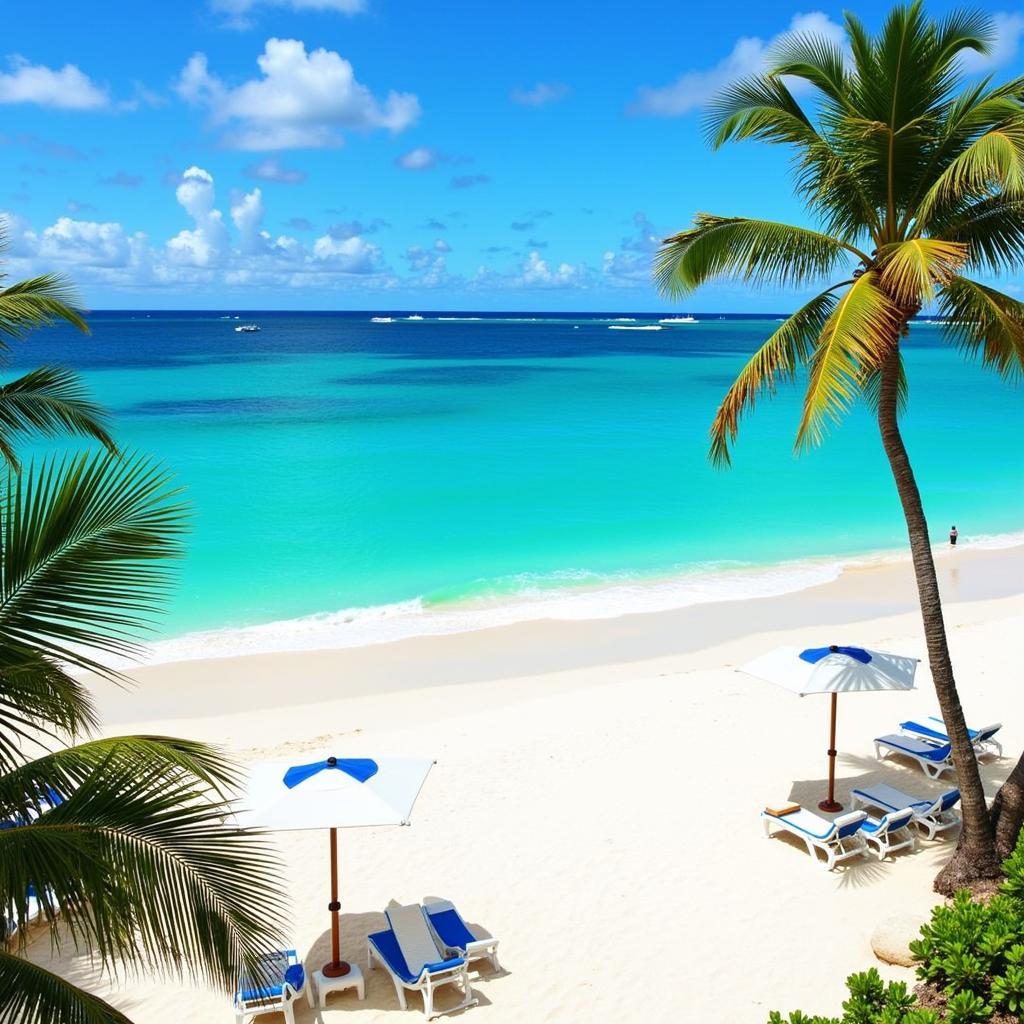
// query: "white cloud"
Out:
[632,263]
[83,241]
[536,273]
[247,216]
[235,252]
[421,158]
[271,169]
[67,88]
[440,245]
[303,100]
[203,245]
[748,57]
[349,256]
[541,94]
[1008,26]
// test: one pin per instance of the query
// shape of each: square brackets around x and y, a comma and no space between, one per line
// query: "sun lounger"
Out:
[454,936]
[889,833]
[410,954]
[934,730]
[280,982]
[933,759]
[838,840]
[934,816]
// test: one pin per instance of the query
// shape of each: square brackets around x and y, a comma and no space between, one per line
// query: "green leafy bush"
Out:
[970,955]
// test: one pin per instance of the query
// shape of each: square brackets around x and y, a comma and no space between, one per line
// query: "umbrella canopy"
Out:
[332,792]
[833,669]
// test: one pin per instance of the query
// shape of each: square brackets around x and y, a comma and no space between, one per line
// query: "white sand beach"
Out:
[596,795]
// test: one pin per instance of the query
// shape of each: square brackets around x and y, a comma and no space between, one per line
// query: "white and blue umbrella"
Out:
[833,669]
[332,792]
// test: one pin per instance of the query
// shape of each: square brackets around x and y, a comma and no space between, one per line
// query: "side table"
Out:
[325,986]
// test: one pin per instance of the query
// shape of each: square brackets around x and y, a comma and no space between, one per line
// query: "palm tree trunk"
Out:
[1008,811]
[975,855]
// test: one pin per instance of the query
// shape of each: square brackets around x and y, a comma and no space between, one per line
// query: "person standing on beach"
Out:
[953,536]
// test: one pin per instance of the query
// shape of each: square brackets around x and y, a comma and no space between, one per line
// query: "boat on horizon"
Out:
[679,320]
[246,328]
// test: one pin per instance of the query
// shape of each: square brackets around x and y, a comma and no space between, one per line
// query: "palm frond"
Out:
[85,544]
[911,270]
[775,361]
[757,251]
[757,107]
[39,702]
[30,994]
[816,59]
[963,30]
[141,858]
[38,302]
[984,322]
[995,160]
[48,401]
[992,229]
[861,330]
[762,107]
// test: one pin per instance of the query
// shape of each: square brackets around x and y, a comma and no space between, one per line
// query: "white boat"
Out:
[679,320]
[247,328]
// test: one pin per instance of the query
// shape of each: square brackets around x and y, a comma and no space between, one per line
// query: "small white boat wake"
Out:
[624,327]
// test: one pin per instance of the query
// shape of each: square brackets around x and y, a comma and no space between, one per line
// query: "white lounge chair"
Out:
[838,840]
[933,759]
[410,954]
[933,816]
[934,730]
[889,833]
[453,934]
[281,981]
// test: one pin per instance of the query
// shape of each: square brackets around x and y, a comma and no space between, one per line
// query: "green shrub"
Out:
[971,952]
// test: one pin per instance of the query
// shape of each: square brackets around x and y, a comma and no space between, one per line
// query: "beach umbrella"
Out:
[833,669]
[332,793]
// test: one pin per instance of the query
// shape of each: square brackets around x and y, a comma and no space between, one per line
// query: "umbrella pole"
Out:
[337,968]
[831,804]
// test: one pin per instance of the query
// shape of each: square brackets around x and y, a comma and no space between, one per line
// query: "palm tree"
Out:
[126,838]
[915,180]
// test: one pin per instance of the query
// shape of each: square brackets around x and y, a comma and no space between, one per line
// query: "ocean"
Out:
[358,477]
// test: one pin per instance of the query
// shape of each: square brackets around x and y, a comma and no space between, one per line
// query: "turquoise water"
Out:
[337,463]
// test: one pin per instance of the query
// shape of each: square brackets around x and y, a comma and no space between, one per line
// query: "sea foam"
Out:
[568,595]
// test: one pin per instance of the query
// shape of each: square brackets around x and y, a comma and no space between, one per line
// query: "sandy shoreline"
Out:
[180,689]
[595,802]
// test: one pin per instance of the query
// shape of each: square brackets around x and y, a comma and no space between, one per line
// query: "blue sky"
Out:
[365,154]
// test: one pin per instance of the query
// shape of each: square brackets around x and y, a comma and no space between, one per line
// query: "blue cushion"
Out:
[949,799]
[451,928]
[253,995]
[387,945]
[443,965]
[850,828]
[925,730]
[277,963]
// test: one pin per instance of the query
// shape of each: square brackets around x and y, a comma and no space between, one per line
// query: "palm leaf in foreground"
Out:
[39,703]
[47,402]
[30,994]
[38,302]
[139,857]
[85,545]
